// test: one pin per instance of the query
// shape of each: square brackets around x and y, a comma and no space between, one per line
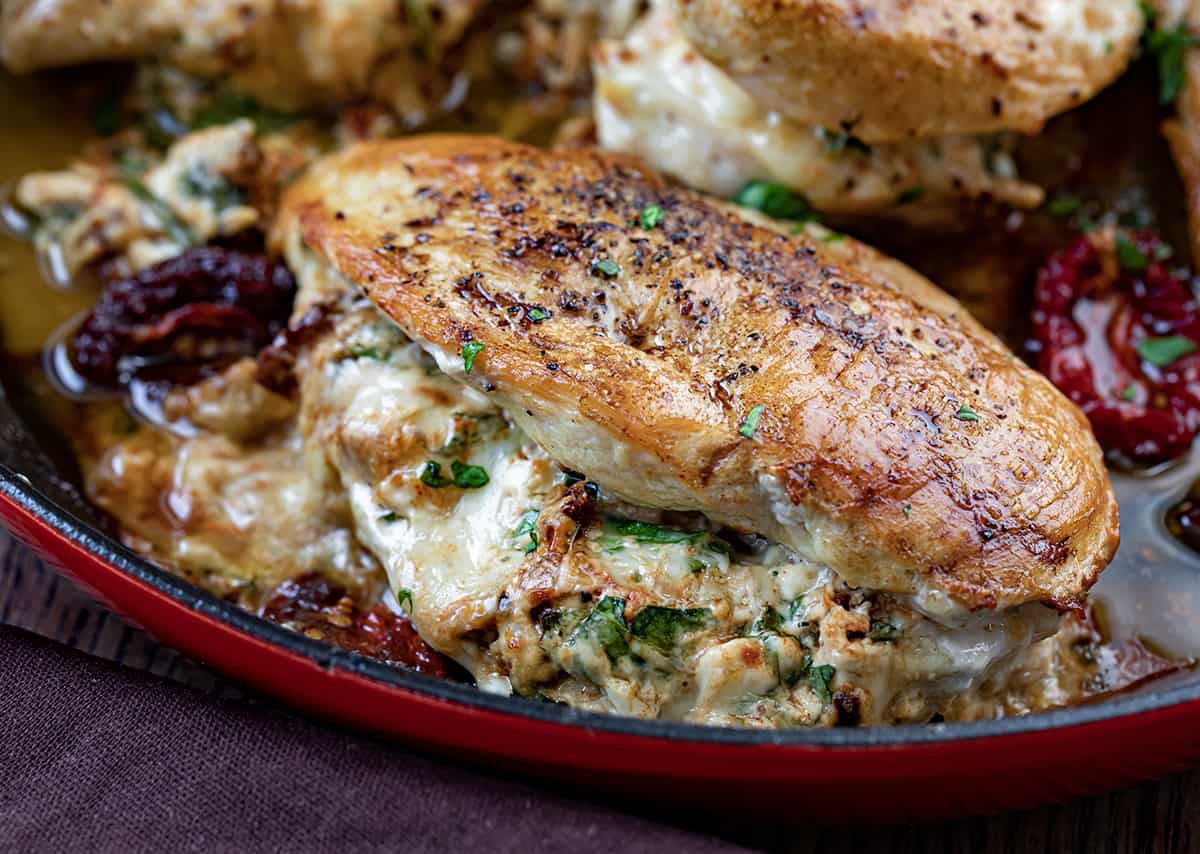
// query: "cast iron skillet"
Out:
[877,772]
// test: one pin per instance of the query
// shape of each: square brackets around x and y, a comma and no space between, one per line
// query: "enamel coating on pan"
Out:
[826,774]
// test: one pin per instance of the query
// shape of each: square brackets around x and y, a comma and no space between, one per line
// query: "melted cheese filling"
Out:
[641,613]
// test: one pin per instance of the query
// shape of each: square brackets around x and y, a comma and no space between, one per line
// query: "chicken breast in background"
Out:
[891,70]
[809,95]
[289,54]
[816,394]
[658,98]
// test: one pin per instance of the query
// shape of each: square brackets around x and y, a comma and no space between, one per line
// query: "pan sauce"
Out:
[1152,576]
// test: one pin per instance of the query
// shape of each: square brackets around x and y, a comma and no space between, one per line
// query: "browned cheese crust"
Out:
[887,70]
[899,442]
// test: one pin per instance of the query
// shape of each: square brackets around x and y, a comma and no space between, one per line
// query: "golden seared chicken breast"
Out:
[890,70]
[894,108]
[290,54]
[624,447]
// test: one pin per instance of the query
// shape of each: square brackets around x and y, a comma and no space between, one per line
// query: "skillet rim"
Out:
[20,490]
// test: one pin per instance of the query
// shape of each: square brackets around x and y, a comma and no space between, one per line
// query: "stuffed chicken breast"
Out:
[623,447]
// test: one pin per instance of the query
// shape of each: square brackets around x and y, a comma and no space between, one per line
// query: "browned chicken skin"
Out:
[897,442]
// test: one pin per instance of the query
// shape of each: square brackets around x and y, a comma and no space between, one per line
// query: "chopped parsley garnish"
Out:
[884,632]
[910,195]
[833,237]
[369,353]
[1063,206]
[537,314]
[1169,48]
[462,475]
[907,510]
[775,200]
[1130,392]
[468,477]
[606,626]
[1164,350]
[966,413]
[527,526]
[651,216]
[1131,257]
[432,475]
[469,351]
[607,267]
[796,608]
[404,598]
[661,627]
[388,517]
[839,141]
[751,423]
[819,677]
[1162,252]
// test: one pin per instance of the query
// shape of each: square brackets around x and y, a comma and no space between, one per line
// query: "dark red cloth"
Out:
[95,757]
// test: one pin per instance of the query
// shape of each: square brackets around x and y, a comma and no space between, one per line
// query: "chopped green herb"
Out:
[537,314]
[966,413]
[432,475]
[170,223]
[907,510]
[651,216]
[230,106]
[751,423]
[607,267]
[469,351]
[1164,350]
[646,532]
[775,200]
[388,517]
[1162,252]
[527,526]
[1130,392]
[468,477]
[819,677]
[884,632]
[1063,206]
[767,623]
[839,141]
[404,598]
[369,353]
[833,237]
[606,626]
[910,195]
[1131,257]
[1169,48]
[661,627]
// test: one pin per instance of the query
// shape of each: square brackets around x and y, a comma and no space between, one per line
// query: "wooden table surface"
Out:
[1161,817]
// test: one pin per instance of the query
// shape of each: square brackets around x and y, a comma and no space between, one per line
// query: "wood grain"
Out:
[1161,817]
